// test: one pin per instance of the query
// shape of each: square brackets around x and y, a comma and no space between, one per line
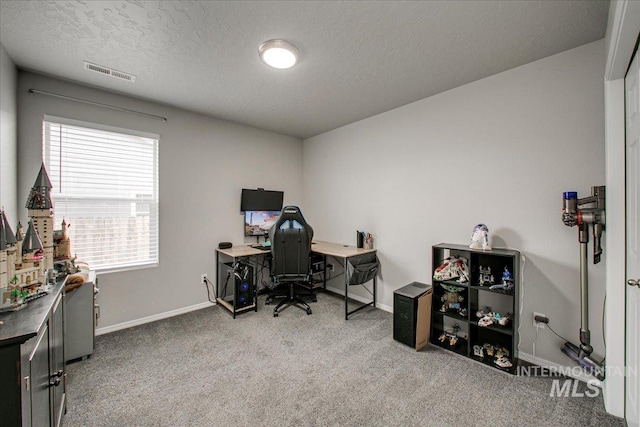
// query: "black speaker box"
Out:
[225,245]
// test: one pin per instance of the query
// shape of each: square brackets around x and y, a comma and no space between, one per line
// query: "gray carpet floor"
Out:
[206,369]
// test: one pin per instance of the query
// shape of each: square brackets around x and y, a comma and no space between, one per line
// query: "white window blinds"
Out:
[105,186]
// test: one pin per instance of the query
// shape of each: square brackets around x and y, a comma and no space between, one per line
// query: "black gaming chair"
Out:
[290,240]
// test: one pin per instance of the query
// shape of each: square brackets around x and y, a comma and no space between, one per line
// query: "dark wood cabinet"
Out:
[32,370]
[478,317]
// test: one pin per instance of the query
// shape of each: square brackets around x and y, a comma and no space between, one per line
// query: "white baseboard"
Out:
[165,315]
[573,371]
[360,299]
[153,318]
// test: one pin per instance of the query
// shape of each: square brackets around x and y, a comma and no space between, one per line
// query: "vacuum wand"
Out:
[577,212]
[585,334]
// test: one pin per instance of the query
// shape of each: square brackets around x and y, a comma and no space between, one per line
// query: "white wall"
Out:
[8,135]
[498,151]
[204,164]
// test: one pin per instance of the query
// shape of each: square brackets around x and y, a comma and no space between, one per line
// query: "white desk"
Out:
[344,252]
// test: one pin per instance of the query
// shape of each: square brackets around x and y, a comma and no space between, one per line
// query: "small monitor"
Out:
[258,223]
[261,200]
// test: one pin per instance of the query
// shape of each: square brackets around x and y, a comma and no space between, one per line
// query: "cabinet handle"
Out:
[632,282]
[54,379]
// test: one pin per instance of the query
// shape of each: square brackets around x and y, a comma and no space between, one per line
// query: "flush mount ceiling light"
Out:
[279,54]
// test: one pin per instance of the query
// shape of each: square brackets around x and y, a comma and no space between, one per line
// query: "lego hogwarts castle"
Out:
[27,258]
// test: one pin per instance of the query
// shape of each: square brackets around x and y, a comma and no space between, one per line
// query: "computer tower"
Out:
[412,314]
[244,285]
[237,285]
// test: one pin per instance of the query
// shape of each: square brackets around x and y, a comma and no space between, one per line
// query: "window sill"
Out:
[120,269]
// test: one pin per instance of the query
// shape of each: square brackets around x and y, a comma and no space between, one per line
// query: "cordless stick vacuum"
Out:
[584,212]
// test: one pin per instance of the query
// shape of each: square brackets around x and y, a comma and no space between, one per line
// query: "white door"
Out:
[632,101]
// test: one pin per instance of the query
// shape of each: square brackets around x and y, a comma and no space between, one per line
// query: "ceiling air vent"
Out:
[109,72]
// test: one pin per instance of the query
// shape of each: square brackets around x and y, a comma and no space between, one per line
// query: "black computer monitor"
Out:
[261,200]
[258,223]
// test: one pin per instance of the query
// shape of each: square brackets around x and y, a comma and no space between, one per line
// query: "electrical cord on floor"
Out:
[563,338]
[263,266]
[559,336]
[210,290]
[535,341]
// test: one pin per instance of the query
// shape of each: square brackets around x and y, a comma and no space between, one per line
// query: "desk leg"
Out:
[324,274]
[235,284]
[255,284]
[346,291]
[217,274]
[375,282]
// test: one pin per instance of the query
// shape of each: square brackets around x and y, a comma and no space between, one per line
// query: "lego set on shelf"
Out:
[473,313]
[27,259]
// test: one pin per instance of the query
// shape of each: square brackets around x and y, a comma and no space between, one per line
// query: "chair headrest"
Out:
[291,218]
[291,213]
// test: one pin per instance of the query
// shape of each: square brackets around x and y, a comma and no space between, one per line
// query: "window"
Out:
[105,187]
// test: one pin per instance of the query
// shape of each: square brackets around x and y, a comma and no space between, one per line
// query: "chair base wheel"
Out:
[292,299]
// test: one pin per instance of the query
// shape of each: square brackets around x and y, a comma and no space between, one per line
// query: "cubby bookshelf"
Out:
[455,322]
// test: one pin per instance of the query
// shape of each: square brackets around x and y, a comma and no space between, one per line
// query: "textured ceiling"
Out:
[358,59]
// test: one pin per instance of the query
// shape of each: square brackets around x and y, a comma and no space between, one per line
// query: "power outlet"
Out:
[203,278]
[538,324]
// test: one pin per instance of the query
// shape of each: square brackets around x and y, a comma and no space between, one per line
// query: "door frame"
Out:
[622,31]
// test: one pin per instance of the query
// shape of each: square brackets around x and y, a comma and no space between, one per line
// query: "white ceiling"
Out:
[358,59]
